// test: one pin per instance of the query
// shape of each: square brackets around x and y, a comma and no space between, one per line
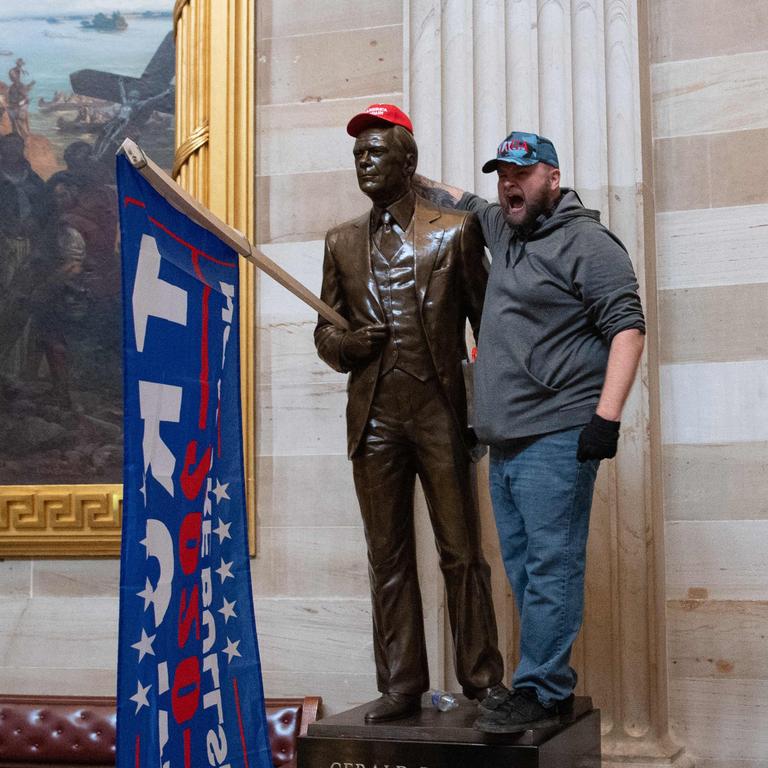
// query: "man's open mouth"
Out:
[516,202]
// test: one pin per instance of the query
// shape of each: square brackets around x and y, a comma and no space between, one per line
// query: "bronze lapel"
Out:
[427,241]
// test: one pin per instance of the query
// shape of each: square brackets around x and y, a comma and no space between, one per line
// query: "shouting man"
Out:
[562,334]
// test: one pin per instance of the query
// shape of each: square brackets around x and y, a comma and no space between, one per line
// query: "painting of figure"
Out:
[74,82]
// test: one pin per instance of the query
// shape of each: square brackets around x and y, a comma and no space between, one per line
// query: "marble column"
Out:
[569,69]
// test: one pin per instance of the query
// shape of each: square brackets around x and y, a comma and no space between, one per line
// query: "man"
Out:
[18,99]
[562,334]
[406,276]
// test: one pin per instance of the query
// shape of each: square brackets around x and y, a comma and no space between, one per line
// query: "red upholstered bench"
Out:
[69,731]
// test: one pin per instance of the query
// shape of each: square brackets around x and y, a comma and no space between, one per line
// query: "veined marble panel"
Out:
[310,137]
[76,578]
[322,561]
[299,69]
[301,401]
[714,402]
[721,639]
[300,635]
[339,692]
[77,633]
[57,681]
[304,206]
[721,719]
[298,491]
[688,170]
[714,324]
[281,18]
[706,762]
[716,482]
[15,578]
[693,29]
[276,304]
[709,247]
[723,93]
[717,560]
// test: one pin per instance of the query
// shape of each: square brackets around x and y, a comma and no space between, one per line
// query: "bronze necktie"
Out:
[390,235]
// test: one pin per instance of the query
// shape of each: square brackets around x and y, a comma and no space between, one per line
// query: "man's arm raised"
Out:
[437,192]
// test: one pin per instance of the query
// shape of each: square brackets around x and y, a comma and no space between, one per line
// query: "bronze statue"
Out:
[407,276]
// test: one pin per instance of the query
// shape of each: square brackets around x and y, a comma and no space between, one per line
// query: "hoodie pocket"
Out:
[537,371]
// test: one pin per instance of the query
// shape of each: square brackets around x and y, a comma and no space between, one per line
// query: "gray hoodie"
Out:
[553,304]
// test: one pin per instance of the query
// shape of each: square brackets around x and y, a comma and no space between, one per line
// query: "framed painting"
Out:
[78,82]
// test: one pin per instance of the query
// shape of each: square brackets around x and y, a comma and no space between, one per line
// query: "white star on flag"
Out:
[222,530]
[231,650]
[225,571]
[220,491]
[144,646]
[147,593]
[140,697]
[228,610]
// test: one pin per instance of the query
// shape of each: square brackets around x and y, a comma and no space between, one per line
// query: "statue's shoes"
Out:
[490,699]
[393,706]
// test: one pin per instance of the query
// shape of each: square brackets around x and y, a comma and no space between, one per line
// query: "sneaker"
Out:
[522,711]
[494,698]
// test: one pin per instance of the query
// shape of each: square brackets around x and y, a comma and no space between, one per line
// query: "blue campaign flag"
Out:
[189,689]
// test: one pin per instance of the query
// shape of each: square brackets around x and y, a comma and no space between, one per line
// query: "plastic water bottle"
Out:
[443,701]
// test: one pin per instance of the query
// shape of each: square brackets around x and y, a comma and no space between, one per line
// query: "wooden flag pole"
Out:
[180,199]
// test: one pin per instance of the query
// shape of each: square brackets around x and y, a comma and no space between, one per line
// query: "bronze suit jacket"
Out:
[450,275]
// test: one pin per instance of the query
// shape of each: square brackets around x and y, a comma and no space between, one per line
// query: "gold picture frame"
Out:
[215,117]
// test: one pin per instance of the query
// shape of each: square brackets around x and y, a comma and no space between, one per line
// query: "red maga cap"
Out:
[378,113]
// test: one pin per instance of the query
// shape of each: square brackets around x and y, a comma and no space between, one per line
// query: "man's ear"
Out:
[554,179]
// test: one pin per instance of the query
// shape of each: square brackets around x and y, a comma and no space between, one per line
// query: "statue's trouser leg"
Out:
[411,429]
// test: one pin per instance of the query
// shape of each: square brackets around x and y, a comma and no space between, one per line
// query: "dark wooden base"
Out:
[432,739]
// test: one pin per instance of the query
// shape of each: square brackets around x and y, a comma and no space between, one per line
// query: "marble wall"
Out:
[709,73]
[317,65]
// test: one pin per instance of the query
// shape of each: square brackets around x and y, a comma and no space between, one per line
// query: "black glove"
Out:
[362,345]
[598,440]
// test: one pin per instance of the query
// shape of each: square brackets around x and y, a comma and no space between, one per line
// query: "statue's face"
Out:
[383,169]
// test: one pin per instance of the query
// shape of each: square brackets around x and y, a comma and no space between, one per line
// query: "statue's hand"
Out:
[362,345]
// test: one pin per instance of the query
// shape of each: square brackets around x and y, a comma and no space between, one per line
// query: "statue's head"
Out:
[385,152]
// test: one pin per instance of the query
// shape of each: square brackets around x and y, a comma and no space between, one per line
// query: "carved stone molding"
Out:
[195,141]
[57,520]
[215,116]
[178,9]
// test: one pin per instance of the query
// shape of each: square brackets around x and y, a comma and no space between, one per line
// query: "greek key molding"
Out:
[60,520]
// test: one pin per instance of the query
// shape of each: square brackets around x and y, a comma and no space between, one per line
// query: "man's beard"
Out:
[536,207]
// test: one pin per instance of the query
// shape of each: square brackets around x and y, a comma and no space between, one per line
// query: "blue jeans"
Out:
[541,499]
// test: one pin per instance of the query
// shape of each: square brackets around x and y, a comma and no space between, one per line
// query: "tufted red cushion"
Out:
[54,730]
[283,725]
[60,730]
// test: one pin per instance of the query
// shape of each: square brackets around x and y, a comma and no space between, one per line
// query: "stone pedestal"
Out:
[433,739]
